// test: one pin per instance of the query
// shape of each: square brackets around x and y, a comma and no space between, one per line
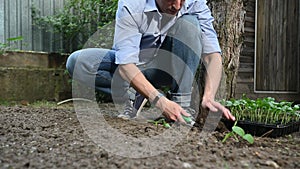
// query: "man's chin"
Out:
[171,12]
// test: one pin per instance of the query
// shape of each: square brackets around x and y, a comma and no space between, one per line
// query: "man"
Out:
[157,43]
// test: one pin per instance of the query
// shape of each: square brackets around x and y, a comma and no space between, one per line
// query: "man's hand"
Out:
[136,78]
[172,110]
[214,106]
[214,69]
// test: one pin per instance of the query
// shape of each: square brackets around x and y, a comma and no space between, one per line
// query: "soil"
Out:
[54,137]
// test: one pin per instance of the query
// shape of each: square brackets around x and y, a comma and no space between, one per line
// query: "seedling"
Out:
[236,130]
[160,121]
[266,110]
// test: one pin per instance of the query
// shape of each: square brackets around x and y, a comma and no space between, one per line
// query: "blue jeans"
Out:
[175,64]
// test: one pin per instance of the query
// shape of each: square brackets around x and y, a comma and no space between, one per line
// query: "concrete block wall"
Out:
[33,76]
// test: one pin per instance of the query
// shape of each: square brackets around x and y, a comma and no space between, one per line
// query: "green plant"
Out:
[10,45]
[160,121]
[265,110]
[78,20]
[236,130]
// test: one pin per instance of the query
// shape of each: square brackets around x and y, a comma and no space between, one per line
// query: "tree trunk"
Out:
[229,23]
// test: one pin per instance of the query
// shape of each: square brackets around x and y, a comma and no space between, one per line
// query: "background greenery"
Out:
[78,21]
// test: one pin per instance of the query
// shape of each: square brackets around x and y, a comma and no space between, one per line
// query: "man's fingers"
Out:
[180,119]
[211,107]
[215,106]
[230,116]
[183,112]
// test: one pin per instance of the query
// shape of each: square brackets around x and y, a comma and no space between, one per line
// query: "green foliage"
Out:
[265,110]
[236,130]
[160,121]
[78,20]
[10,45]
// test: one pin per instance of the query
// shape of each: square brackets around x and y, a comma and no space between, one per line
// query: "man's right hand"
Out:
[172,110]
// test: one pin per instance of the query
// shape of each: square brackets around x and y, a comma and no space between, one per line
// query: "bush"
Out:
[78,20]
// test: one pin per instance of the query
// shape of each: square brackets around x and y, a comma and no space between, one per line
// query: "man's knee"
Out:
[191,19]
[71,61]
[187,24]
[187,33]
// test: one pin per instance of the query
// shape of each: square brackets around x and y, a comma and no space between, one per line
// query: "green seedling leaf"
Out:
[166,125]
[249,138]
[154,122]
[238,130]
[227,136]
[160,121]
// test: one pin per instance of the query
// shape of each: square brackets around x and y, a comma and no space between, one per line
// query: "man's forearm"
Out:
[213,63]
[132,74]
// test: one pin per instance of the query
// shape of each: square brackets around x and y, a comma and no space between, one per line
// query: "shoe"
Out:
[133,107]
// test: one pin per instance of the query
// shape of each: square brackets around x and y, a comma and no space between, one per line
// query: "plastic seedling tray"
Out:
[267,130]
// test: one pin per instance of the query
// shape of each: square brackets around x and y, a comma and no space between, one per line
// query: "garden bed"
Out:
[53,138]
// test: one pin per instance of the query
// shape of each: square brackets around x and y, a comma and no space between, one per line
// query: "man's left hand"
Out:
[214,106]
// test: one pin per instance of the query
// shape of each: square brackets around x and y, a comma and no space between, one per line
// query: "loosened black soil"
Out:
[54,138]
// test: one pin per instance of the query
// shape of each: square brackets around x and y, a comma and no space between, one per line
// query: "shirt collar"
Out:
[150,6]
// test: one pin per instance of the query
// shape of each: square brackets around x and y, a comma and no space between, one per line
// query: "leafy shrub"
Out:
[78,20]
[10,45]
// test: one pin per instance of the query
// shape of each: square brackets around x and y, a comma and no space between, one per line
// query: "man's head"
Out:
[171,7]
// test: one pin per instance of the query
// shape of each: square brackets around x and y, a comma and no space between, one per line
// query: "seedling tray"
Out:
[268,130]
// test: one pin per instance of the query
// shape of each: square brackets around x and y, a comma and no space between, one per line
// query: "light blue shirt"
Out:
[138,27]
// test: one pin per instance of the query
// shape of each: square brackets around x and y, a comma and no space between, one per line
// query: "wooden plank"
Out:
[259,43]
[12,19]
[6,20]
[26,30]
[2,22]
[57,38]
[246,70]
[279,64]
[277,46]
[249,19]
[36,32]
[298,53]
[245,78]
[47,36]
[246,59]
[249,29]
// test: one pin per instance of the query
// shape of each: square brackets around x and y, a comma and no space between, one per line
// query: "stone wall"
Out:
[33,76]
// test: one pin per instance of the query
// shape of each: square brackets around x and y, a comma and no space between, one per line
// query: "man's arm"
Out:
[132,74]
[213,63]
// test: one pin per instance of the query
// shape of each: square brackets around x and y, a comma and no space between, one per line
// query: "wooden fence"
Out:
[278,41]
[16,20]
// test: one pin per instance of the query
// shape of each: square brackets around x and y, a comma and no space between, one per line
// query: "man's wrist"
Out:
[156,99]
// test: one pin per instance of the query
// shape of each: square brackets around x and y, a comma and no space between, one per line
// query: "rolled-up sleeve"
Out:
[209,36]
[127,37]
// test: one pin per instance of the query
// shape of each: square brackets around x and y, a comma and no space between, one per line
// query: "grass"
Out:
[35,104]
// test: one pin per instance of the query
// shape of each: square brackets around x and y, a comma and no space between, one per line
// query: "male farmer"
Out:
[157,43]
